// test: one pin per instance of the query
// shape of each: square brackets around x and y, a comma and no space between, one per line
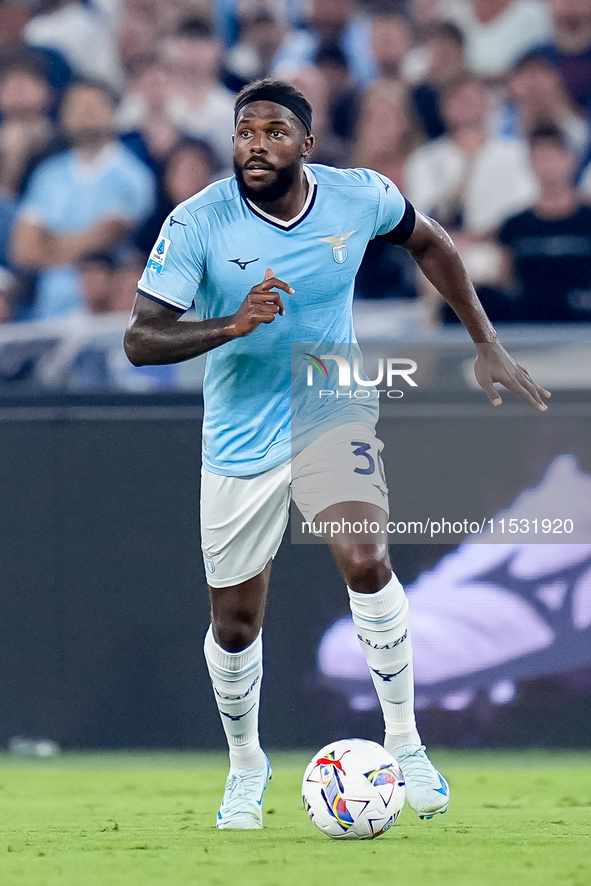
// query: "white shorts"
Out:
[243,518]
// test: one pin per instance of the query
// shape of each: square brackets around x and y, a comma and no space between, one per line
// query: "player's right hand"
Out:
[261,305]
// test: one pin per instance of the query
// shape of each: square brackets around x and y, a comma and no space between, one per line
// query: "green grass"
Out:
[516,819]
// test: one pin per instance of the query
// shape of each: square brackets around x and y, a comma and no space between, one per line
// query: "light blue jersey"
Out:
[216,246]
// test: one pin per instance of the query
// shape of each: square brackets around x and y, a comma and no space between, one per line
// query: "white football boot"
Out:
[242,803]
[427,792]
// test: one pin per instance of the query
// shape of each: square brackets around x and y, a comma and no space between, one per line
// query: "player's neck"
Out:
[291,204]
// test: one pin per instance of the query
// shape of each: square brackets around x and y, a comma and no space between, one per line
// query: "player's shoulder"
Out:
[213,197]
[354,178]
[363,188]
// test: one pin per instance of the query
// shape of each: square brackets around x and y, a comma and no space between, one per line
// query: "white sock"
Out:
[236,679]
[384,634]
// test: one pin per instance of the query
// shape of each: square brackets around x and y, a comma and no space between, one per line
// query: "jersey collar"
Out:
[292,222]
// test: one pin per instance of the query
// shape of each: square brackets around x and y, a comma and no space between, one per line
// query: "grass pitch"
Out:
[516,819]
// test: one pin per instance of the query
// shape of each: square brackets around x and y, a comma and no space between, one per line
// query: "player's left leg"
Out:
[380,611]
[338,481]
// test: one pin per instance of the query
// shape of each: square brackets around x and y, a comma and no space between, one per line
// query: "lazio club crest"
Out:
[339,246]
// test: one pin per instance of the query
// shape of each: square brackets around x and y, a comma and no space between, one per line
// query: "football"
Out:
[353,789]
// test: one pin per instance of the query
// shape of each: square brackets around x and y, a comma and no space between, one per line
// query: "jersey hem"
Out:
[251,469]
[254,469]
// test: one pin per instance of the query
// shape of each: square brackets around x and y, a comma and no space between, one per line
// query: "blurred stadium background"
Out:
[111,112]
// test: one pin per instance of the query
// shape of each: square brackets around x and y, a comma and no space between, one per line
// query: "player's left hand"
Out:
[494,364]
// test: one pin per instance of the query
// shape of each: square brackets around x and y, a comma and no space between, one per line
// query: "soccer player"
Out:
[262,256]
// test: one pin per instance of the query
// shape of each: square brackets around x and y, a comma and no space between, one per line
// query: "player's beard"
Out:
[284,180]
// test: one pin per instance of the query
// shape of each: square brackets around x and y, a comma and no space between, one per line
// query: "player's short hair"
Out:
[548,132]
[279,91]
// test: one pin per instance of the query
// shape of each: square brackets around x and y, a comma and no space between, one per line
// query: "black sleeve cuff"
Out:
[161,301]
[404,228]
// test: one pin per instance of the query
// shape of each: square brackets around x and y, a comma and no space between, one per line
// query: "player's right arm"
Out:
[154,334]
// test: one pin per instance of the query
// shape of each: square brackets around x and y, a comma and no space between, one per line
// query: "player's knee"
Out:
[235,634]
[366,569]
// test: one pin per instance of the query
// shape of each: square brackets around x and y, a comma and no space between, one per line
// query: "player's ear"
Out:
[308,146]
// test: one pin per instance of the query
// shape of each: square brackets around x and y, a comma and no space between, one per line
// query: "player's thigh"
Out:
[242,523]
[343,465]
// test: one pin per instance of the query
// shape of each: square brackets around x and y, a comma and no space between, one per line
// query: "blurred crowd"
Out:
[114,111]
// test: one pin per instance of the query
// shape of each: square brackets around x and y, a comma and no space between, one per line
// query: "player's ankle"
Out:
[394,741]
[247,758]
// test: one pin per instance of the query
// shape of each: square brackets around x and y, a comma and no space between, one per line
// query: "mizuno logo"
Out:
[173,221]
[239,717]
[242,264]
[388,677]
